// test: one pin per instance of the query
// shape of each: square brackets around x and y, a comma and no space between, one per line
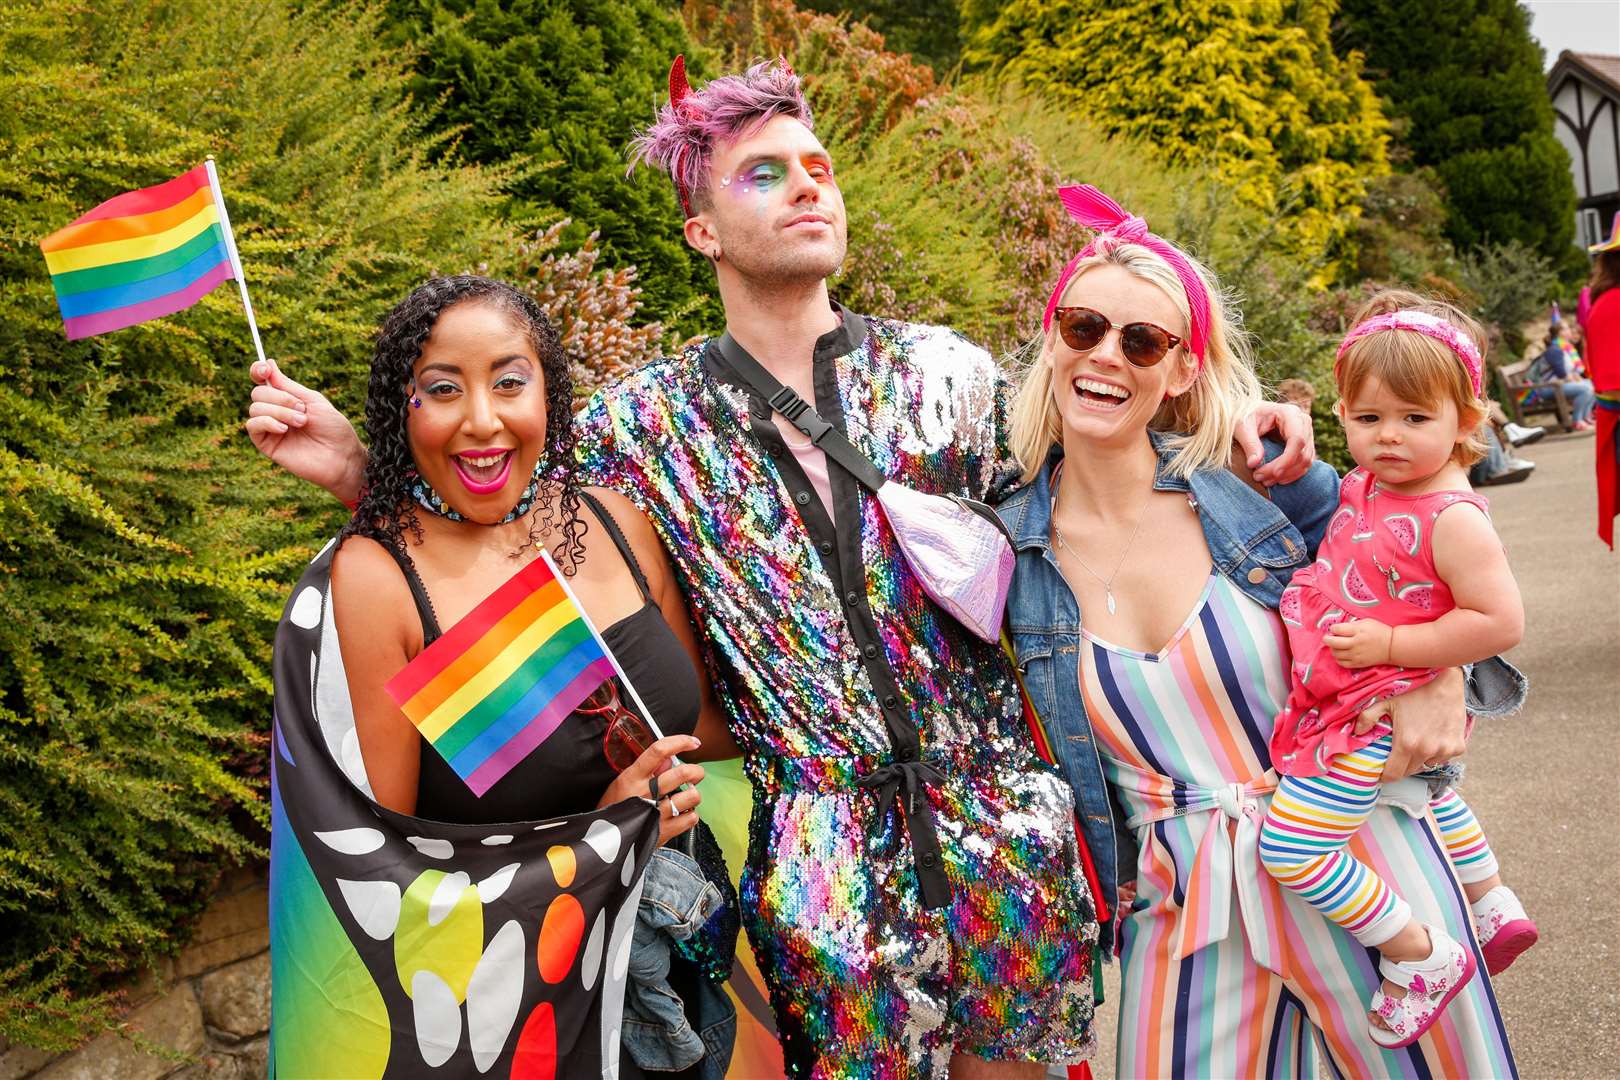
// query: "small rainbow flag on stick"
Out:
[145,254]
[503,678]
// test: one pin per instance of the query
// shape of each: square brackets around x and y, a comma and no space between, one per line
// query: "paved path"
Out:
[1545,784]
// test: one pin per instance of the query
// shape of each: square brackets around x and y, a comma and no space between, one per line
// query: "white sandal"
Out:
[1430,985]
[1503,928]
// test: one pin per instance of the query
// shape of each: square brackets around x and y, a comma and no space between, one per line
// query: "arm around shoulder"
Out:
[1309,502]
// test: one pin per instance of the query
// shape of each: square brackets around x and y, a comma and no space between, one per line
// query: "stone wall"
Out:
[209,1007]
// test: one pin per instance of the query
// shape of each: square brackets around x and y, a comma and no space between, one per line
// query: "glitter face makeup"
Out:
[775,210]
[767,175]
[865,980]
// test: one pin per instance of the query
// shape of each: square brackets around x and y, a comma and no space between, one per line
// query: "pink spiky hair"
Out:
[682,138]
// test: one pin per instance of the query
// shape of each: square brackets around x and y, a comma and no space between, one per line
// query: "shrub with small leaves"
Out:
[857,88]
[145,548]
[592,310]
[1253,90]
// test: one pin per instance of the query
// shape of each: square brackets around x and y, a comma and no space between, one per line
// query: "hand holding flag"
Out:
[501,680]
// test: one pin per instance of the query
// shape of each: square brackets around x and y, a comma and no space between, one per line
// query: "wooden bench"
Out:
[1514,380]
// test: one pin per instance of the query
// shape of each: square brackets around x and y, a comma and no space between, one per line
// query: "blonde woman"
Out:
[1143,615]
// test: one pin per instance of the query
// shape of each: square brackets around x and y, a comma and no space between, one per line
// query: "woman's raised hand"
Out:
[298,429]
[677,810]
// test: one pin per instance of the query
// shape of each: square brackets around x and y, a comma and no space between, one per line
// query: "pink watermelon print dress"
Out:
[1375,562]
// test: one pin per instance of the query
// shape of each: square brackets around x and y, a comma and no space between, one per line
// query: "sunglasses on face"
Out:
[628,735]
[1143,344]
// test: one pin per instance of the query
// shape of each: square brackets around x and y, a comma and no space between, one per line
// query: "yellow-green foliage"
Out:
[955,218]
[1251,86]
[145,549]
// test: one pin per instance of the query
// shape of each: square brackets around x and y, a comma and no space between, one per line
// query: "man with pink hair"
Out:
[913,888]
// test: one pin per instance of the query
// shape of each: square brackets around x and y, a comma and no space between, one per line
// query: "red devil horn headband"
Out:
[679,91]
[1095,210]
[678,86]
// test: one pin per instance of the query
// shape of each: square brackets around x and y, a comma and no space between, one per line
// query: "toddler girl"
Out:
[1410,578]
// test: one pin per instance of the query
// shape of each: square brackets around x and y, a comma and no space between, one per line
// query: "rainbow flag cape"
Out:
[141,255]
[408,949]
[502,679]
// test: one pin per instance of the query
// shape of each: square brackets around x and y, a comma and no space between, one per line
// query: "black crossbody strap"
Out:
[800,414]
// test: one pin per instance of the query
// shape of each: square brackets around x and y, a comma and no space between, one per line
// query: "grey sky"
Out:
[1581,25]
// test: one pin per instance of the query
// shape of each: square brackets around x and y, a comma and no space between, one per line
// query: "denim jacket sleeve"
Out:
[1308,503]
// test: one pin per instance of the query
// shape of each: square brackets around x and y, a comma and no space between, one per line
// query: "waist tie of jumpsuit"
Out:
[1227,863]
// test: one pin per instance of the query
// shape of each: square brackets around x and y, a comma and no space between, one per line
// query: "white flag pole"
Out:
[686,840]
[230,250]
[623,678]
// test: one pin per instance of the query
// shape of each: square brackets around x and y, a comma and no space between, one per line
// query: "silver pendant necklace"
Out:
[1108,585]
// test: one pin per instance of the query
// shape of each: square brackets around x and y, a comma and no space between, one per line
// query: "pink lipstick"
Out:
[483,472]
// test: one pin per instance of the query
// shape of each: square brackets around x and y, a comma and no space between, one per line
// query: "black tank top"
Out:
[568,772]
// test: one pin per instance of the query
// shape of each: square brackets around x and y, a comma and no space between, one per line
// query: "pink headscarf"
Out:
[1095,210]
[1421,322]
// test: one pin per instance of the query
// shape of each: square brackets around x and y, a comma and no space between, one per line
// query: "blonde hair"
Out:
[1415,367]
[1198,423]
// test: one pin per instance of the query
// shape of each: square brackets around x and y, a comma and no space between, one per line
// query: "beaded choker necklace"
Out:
[431,500]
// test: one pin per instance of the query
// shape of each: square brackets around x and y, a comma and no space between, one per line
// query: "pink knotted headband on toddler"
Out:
[1421,322]
[1095,210]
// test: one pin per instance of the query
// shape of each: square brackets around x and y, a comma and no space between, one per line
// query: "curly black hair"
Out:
[387,508]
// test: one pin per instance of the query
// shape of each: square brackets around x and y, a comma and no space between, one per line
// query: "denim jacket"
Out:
[1255,542]
[661,1032]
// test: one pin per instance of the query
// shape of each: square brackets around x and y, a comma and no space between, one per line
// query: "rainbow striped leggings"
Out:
[1311,819]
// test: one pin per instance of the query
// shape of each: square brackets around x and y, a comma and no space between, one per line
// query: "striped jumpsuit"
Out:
[1224,974]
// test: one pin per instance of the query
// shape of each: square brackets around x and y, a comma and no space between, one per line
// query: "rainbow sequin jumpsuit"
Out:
[912,886]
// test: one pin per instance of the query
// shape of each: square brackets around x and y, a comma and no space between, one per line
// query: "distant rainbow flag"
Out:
[143,254]
[502,679]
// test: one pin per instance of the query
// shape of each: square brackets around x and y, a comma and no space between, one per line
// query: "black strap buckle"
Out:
[800,414]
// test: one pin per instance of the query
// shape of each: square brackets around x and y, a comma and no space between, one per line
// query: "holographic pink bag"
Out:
[958,548]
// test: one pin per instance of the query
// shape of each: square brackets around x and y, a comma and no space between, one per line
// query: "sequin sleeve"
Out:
[1001,470]
[596,456]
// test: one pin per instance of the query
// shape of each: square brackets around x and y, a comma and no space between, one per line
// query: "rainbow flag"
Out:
[140,255]
[503,678]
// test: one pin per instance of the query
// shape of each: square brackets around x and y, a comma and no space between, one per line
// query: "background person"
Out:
[1552,365]
[1603,363]
[1498,466]
[1297,392]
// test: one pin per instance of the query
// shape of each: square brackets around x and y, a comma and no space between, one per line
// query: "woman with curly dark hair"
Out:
[442,885]
[471,472]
